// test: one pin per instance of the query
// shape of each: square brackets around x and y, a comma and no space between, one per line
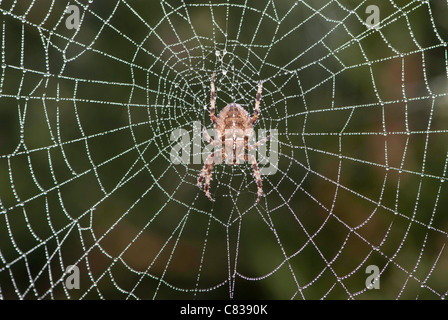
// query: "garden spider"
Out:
[233,130]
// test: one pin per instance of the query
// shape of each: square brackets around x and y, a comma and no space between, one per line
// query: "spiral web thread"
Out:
[86,177]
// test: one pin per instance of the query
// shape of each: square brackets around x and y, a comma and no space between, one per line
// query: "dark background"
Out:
[85,171]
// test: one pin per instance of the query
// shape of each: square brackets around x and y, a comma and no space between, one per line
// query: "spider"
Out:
[233,130]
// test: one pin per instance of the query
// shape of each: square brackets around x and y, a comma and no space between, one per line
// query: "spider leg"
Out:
[259,143]
[206,173]
[253,161]
[209,139]
[204,169]
[208,178]
[257,104]
[213,100]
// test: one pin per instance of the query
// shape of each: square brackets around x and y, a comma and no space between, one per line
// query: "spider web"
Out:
[86,177]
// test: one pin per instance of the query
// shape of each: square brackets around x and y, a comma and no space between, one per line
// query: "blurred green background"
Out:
[86,178]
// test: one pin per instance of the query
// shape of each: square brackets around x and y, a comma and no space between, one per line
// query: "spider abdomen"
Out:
[233,117]
[234,128]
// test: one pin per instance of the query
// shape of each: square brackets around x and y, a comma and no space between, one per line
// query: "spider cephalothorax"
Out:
[234,128]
